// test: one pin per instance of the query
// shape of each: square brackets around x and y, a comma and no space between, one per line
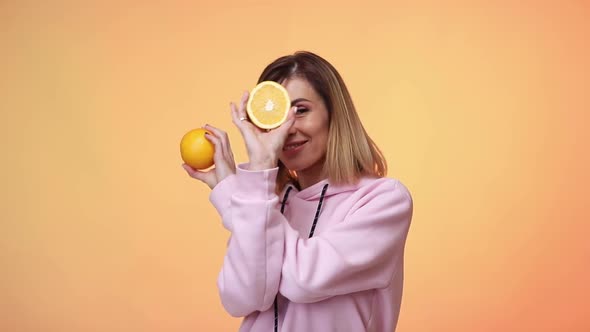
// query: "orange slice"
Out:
[268,105]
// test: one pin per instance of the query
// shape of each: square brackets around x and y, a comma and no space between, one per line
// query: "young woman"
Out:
[317,230]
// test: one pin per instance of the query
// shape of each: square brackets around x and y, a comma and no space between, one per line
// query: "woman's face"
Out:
[305,147]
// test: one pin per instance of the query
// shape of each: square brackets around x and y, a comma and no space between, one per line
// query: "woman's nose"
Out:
[293,128]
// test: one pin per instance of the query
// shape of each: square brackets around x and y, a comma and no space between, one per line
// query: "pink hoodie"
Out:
[347,277]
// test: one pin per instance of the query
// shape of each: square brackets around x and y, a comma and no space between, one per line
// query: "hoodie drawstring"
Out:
[315,221]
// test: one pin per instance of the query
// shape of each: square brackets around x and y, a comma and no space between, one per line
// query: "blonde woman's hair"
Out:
[351,153]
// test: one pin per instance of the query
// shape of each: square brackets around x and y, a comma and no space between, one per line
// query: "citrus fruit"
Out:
[196,150]
[268,105]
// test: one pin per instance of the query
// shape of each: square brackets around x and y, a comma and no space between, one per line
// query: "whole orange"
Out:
[196,150]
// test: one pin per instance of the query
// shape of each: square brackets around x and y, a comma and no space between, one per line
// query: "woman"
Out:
[317,231]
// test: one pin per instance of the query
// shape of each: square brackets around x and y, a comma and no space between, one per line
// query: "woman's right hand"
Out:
[223,158]
[263,146]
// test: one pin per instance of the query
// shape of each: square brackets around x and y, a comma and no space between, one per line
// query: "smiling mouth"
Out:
[293,146]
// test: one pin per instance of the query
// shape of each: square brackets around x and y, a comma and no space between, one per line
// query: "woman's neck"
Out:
[310,176]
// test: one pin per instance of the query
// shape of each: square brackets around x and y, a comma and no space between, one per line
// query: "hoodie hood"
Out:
[314,192]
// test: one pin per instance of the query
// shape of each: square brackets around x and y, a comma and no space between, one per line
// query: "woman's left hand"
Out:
[263,146]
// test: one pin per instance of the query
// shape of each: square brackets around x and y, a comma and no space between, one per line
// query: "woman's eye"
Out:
[301,110]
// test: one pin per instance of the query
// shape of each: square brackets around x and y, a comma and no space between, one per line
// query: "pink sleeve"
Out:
[249,277]
[361,252]
[220,197]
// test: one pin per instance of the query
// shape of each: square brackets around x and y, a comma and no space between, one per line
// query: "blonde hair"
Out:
[351,153]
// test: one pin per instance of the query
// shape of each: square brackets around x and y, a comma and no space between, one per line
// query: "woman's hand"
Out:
[263,146]
[223,158]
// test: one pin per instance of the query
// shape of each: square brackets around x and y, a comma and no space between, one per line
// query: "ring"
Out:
[243,118]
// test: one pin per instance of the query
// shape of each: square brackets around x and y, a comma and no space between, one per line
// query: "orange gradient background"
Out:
[481,108]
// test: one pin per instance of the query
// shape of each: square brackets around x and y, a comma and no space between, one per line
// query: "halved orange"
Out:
[268,105]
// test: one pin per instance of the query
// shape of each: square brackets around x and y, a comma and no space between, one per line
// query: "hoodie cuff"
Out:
[256,184]
[221,194]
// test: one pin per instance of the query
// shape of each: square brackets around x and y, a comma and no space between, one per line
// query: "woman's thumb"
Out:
[284,128]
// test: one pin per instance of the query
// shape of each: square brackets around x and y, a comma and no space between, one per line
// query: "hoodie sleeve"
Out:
[362,252]
[220,197]
[249,277]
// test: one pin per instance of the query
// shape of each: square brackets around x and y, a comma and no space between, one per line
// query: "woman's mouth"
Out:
[294,146]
